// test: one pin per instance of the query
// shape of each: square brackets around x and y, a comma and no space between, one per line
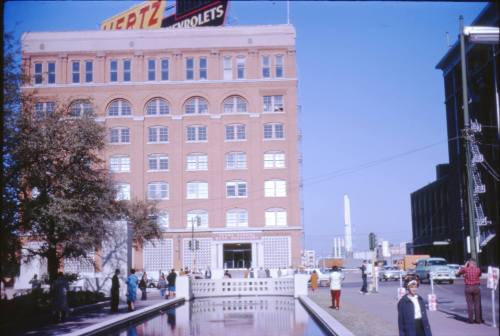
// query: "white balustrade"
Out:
[243,287]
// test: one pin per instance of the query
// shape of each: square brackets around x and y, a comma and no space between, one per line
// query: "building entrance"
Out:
[237,255]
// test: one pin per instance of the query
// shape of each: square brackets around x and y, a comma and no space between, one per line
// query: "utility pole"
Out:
[465,100]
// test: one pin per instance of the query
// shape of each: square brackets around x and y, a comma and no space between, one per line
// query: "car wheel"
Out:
[450,282]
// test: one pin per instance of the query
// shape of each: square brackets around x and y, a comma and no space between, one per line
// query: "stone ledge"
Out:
[326,320]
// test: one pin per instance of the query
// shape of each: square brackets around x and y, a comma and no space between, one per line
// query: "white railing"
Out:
[243,287]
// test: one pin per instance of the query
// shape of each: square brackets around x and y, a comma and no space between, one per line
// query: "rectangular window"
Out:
[240,67]
[119,135]
[89,71]
[75,70]
[237,218]
[228,68]
[236,160]
[236,189]
[275,188]
[273,131]
[113,71]
[235,132]
[189,68]
[196,133]
[127,70]
[275,218]
[38,73]
[52,73]
[203,68]
[158,162]
[151,69]
[197,162]
[120,164]
[266,67]
[197,190]
[164,69]
[273,103]
[157,190]
[122,191]
[158,134]
[274,160]
[278,63]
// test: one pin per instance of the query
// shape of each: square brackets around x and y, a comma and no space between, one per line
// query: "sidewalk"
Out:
[376,315]
[101,313]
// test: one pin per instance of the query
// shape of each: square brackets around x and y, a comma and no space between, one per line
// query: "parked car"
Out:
[454,267]
[323,278]
[437,268]
[409,276]
[387,273]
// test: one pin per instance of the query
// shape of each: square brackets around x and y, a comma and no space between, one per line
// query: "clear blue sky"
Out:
[368,88]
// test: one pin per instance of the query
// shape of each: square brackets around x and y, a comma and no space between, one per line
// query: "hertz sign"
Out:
[156,14]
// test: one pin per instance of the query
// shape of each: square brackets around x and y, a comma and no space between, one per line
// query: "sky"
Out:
[372,103]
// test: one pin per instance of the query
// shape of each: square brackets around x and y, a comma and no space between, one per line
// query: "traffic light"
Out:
[372,241]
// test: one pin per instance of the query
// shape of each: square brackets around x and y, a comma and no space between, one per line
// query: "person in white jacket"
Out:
[336,278]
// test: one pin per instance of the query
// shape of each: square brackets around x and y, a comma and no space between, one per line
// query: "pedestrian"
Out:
[268,273]
[412,317]
[132,282]
[252,273]
[364,287]
[171,283]
[314,280]
[35,283]
[162,285]
[208,273]
[227,275]
[60,290]
[472,276]
[115,291]
[143,286]
[246,273]
[336,278]
[279,272]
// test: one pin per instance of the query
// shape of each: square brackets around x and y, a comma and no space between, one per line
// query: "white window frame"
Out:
[272,161]
[151,71]
[235,185]
[158,131]
[227,66]
[80,108]
[38,79]
[237,218]
[196,104]
[197,190]
[235,160]
[124,108]
[241,67]
[197,133]
[189,69]
[238,132]
[75,73]
[164,71]
[235,104]
[119,163]
[122,191]
[163,220]
[113,72]
[274,132]
[89,73]
[121,136]
[191,219]
[159,159]
[203,70]
[157,106]
[266,66]
[272,104]
[275,188]
[158,190]
[276,217]
[279,66]
[127,73]
[51,75]
[196,161]
[43,109]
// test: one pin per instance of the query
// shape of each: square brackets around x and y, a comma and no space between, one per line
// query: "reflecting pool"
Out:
[229,316]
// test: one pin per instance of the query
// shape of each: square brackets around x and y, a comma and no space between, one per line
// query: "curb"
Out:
[325,320]
[128,317]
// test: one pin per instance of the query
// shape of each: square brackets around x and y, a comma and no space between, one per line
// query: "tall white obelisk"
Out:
[347,226]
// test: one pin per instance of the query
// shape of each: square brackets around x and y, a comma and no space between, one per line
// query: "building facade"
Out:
[482,77]
[202,121]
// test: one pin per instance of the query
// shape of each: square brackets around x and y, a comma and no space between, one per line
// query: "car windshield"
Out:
[437,262]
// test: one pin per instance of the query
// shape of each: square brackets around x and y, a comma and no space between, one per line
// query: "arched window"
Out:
[119,107]
[196,105]
[157,106]
[80,108]
[197,218]
[235,104]
[236,217]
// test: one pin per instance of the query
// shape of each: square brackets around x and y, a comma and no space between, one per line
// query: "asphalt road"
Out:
[450,298]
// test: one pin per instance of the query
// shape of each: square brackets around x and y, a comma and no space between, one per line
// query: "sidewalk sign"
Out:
[432,300]
[493,285]
[401,292]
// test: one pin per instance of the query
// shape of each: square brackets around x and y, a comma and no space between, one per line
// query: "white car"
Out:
[323,278]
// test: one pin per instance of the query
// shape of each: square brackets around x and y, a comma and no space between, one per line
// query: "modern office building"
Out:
[202,121]
[440,211]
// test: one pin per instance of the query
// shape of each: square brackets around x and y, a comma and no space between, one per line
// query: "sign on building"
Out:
[160,14]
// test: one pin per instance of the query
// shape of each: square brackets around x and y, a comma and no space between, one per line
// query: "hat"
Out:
[412,283]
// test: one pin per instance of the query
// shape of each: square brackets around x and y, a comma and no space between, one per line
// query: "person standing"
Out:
[336,278]
[208,273]
[314,280]
[143,286]
[412,317]
[35,283]
[115,291]
[171,277]
[472,276]
[132,282]
[61,288]
[364,287]
[162,285]
[279,272]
